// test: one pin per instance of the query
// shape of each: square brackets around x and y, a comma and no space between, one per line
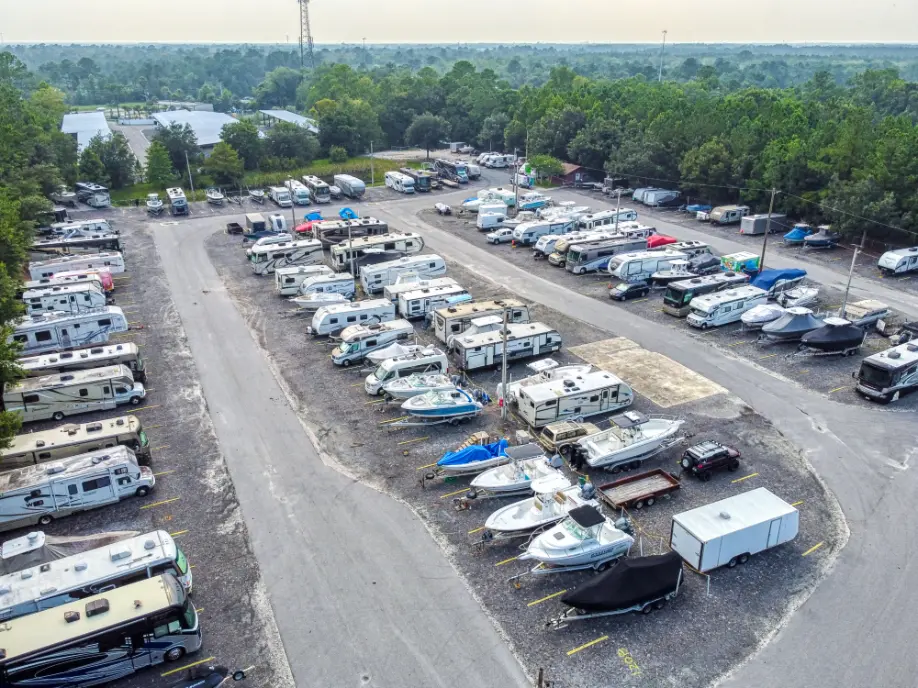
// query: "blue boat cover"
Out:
[799,233]
[347,214]
[698,208]
[478,452]
[768,278]
[473,198]
[314,215]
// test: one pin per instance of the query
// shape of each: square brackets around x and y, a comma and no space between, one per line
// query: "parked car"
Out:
[706,457]
[502,235]
[443,209]
[334,191]
[559,437]
[629,290]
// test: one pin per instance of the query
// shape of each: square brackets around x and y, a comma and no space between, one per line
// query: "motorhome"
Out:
[107,260]
[595,255]
[178,204]
[689,248]
[66,394]
[269,240]
[473,170]
[93,195]
[524,340]
[410,282]
[328,284]
[457,319]
[52,331]
[399,182]
[758,224]
[281,196]
[72,439]
[729,214]
[331,232]
[126,354]
[101,278]
[373,249]
[330,320]
[899,261]
[547,244]
[419,302]
[421,178]
[82,228]
[266,259]
[605,219]
[634,267]
[453,171]
[287,281]
[94,242]
[486,323]
[299,194]
[678,295]
[350,186]
[70,298]
[724,307]
[626,230]
[75,577]
[318,190]
[569,397]
[39,494]
[375,278]
[529,232]
[359,340]
[430,360]
[888,375]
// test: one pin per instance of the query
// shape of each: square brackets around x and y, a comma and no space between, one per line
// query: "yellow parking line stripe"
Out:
[762,358]
[813,549]
[745,477]
[416,439]
[453,494]
[165,501]
[547,597]
[178,532]
[507,561]
[430,465]
[144,408]
[837,389]
[797,503]
[188,666]
[171,470]
[477,530]
[586,645]
[199,610]
[164,446]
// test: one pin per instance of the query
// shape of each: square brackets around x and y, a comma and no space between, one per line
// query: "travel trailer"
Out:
[605,219]
[287,281]
[375,278]
[52,331]
[424,361]
[178,204]
[569,397]
[82,228]
[419,302]
[78,242]
[595,255]
[678,295]
[410,282]
[39,494]
[331,232]
[266,259]
[399,182]
[71,298]
[729,214]
[528,233]
[299,194]
[328,284]
[724,307]
[359,340]
[66,394]
[126,354]
[524,340]
[318,190]
[373,249]
[107,260]
[890,374]
[489,220]
[350,186]
[457,319]
[661,198]
[899,261]
[101,278]
[281,196]
[690,248]
[330,320]
[635,267]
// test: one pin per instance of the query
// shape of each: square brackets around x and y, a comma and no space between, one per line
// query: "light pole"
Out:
[662,48]
[503,371]
[618,206]
[190,180]
[771,206]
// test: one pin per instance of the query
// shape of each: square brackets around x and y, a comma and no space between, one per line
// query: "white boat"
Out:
[313,302]
[154,204]
[554,498]
[472,461]
[415,385]
[561,372]
[678,270]
[798,296]
[453,403]
[64,196]
[516,476]
[633,437]
[757,316]
[257,195]
[585,539]
[392,351]
[214,196]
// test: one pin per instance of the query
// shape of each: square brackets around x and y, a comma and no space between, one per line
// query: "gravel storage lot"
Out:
[698,637]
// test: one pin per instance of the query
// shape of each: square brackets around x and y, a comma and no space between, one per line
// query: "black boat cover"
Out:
[836,335]
[795,323]
[704,263]
[586,516]
[822,238]
[632,582]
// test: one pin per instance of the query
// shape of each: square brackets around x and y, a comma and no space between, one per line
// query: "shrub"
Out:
[337,154]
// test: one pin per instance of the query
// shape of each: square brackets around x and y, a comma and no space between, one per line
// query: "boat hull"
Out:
[513,478]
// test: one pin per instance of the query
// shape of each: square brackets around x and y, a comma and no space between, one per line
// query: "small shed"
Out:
[574,175]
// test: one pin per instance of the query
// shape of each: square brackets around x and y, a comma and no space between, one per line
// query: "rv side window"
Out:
[44,456]
[371,342]
[352,318]
[289,280]
[43,336]
[333,321]
[30,398]
[595,397]
[105,323]
[90,485]
[364,316]
[21,338]
[454,327]
[433,265]
[84,392]
[389,246]
[551,402]
[72,489]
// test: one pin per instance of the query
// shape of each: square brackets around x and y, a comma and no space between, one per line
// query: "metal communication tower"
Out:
[306,35]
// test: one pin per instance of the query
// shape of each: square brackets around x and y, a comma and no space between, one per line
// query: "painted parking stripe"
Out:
[745,477]
[165,501]
[586,645]
[813,549]
[188,666]
[546,598]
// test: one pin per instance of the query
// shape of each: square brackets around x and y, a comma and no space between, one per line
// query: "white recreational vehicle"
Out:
[350,186]
[887,375]
[39,494]
[524,340]
[67,394]
[178,204]
[377,277]
[61,279]
[899,261]
[281,196]
[329,320]
[490,218]
[53,331]
[359,340]
[430,360]
[606,219]
[318,190]
[410,281]
[724,307]
[328,284]
[400,182]
[639,266]
[728,214]
[690,248]
[287,281]
[374,249]
[126,354]
[561,248]
[486,323]
[419,302]
[529,232]
[457,319]
[595,255]
[266,259]
[299,194]
[71,298]
[107,260]
[281,238]
[79,242]
[580,396]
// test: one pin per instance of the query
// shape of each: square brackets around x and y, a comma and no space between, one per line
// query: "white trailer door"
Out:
[686,545]
[774,531]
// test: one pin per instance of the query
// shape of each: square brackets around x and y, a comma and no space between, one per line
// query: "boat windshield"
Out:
[575,530]
[880,378]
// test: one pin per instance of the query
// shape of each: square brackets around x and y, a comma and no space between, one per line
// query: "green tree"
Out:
[179,141]
[351,124]
[159,168]
[244,139]
[289,142]
[116,157]
[91,167]
[279,87]
[707,169]
[337,154]
[224,165]
[492,131]
[427,131]
[546,166]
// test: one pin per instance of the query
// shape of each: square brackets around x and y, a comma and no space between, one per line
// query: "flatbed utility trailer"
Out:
[640,490]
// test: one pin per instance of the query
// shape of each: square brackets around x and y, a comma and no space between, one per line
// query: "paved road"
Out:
[857,628]
[136,140]
[361,593]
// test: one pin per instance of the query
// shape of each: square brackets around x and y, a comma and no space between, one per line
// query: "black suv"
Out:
[705,458]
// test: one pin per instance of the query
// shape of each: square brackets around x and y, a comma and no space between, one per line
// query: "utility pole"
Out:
[662,48]
[857,250]
[516,185]
[190,180]
[618,207]
[503,371]
[350,248]
[771,206]
[372,168]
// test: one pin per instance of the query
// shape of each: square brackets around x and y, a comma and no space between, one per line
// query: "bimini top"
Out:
[586,516]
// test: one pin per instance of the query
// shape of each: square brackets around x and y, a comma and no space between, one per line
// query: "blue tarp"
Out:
[698,208]
[313,216]
[472,454]
[768,278]
[347,214]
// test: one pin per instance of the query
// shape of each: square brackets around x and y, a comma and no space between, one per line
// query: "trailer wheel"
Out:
[44,520]
[659,604]
[650,501]
[454,422]
[743,558]
[58,416]
[646,609]
[639,504]
[732,563]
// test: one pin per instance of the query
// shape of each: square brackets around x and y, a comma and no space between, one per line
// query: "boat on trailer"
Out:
[757,317]
[154,204]
[791,326]
[450,404]
[514,477]
[837,337]
[798,296]
[632,438]
[257,195]
[214,196]
[417,384]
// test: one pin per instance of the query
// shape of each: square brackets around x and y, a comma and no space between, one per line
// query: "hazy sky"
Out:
[439,21]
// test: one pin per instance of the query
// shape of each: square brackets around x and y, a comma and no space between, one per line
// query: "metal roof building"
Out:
[286,116]
[207,126]
[83,126]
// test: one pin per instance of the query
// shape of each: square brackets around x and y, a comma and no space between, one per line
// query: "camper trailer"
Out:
[899,261]
[281,196]
[689,248]
[399,182]
[39,494]
[287,281]
[67,394]
[102,279]
[126,354]
[489,219]
[419,302]
[887,375]
[92,194]
[72,439]
[330,320]
[107,260]
[595,255]
[635,267]
[79,242]
[524,340]
[331,232]
[729,214]
[420,362]
[605,219]
[661,198]
[724,307]
[178,204]
[71,298]
[374,249]
[328,284]
[359,340]
[350,186]
[266,259]
[53,331]
[528,233]
[457,319]
[581,396]
[81,228]
[375,278]
[411,282]
[679,295]
[319,191]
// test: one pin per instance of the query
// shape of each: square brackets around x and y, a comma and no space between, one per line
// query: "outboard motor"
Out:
[587,491]
[556,461]
[624,524]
